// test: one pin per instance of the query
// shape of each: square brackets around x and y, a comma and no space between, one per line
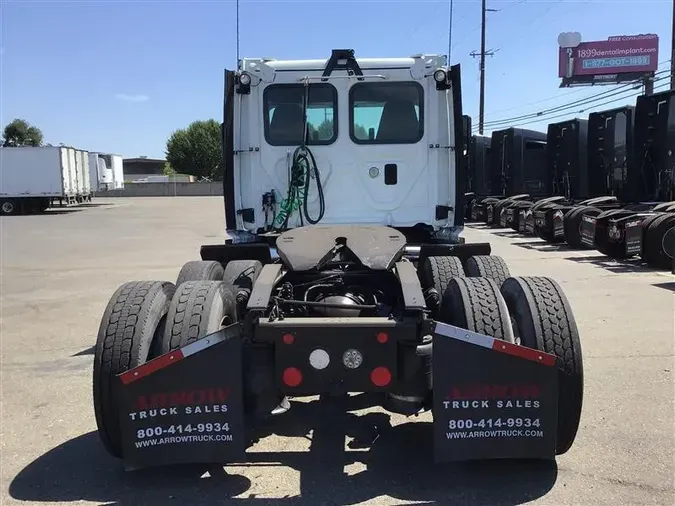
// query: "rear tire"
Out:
[436,272]
[543,320]
[200,270]
[644,225]
[198,308]
[132,320]
[654,246]
[496,212]
[477,305]
[572,225]
[242,274]
[8,207]
[487,266]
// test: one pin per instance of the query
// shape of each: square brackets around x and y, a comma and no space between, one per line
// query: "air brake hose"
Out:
[311,167]
[302,167]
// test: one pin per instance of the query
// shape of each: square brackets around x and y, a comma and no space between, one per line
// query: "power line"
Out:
[584,101]
[547,99]
[567,115]
[571,114]
[571,92]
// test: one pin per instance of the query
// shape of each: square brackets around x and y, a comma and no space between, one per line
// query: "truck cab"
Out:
[341,140]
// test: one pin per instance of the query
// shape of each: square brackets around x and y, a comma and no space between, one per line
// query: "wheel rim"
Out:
[7,207]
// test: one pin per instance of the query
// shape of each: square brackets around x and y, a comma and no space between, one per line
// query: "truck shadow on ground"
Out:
[87,351]
[666,286]
[398,464]
[628,265]
[543,246]
[507,233]
[49,212]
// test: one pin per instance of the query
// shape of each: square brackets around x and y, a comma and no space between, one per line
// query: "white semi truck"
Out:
[33,179]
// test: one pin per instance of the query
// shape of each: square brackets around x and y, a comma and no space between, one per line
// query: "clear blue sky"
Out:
[119,76]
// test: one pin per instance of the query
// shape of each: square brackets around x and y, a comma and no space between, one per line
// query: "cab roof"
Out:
[364,63]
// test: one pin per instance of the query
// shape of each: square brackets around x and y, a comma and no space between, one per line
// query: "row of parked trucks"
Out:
[606,182]
[33,179]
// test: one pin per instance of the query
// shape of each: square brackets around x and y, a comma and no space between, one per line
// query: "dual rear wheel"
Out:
[534,312]
[145,319]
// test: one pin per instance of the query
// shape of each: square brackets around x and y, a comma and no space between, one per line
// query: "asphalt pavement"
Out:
[59,269]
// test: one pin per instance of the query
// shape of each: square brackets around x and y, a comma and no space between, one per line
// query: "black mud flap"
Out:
[558,224]
[521,221]
[540,219]
[491,399]
[633,236]
[529,222]
[185,406]
[587,230]
[502,218]
[478,212]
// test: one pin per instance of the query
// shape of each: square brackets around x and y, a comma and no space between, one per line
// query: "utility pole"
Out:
[649,85]
[483,53]
[672,53]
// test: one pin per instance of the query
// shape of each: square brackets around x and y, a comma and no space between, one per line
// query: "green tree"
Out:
[169,170]
[21,133]
[325,130]
[197,150]
[360,132]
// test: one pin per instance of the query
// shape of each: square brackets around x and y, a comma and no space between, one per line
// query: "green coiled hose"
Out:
[303,167]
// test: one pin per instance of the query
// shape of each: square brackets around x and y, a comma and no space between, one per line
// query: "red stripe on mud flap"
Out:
[149,367]
[522,352]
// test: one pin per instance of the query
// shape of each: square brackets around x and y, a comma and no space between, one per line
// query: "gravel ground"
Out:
[59,269]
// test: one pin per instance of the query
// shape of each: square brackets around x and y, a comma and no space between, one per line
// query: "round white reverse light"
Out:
[352,359]
[319,359]
[245,79]
[439,76]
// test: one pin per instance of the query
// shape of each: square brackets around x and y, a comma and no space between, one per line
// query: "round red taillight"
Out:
[292,376]
[382,337]
[380,376]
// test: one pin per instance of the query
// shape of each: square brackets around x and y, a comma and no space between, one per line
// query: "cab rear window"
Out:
[386,113]
[282,111]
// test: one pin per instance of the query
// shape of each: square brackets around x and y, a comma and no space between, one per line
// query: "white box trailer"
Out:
[100,174]
[33,178]
[72,170]
[84,192]
[117,166]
